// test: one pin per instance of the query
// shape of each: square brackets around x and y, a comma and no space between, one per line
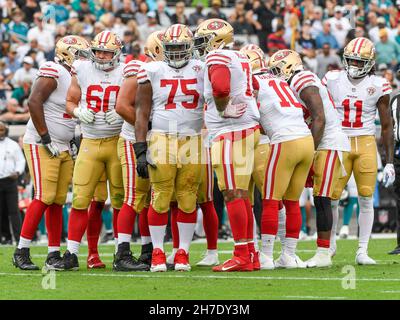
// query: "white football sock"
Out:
[145,240]
[186,231]
[24,243]
[115,245]
[124,237]
[73,246]
[335,218]
[255,235]
[53,249]
[212,252]
[365,221]
[290,246]
[174,250]
[282,226]
[157,236]
[268,244]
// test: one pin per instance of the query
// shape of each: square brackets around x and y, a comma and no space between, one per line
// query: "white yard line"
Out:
[314,297]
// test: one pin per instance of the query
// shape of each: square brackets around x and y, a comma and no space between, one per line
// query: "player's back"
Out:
[99,93]
[240,92]
[356,100]
[177,96]
[281,112]
[61,126]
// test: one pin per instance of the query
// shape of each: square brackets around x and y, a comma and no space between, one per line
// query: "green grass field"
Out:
[372,282]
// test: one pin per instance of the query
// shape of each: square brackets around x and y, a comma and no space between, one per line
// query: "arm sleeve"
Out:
[132,68]
[220,78]
[142,76]
[48,70]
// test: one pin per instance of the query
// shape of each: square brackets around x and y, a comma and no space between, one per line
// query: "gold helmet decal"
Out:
[109,42]
[70,48]
[178,45]
[284,63]
[359,57]
[154,47]
[212,34]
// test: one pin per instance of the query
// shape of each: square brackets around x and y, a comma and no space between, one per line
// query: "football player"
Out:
[291,155]
[228,86]
[47,150]
[91,98]
[330,142]
[171,90]
[358,94]
[136,188]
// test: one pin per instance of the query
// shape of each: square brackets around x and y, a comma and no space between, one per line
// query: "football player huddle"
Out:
[157,131]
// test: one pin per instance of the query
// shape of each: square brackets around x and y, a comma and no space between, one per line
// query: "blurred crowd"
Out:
[318,29]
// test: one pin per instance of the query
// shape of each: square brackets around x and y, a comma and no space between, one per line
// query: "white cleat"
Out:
[344,232]
[209,259]
[321,259]
[171,258]
[362,258]
[182,267]
[266,263]
[332,250]
[158,268]
[303,235]
[289,262]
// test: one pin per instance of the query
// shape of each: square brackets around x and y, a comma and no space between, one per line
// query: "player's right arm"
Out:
[73,98]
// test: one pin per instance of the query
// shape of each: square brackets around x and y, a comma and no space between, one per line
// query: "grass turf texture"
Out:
[372,282]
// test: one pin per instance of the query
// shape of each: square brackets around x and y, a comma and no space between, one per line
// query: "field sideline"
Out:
[372,282]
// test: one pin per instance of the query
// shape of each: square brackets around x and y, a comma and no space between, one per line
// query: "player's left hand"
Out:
[234,110]
[50,146]
[141,159]
[112,117]
[389,175]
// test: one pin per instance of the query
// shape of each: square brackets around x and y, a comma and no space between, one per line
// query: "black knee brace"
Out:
[324,213]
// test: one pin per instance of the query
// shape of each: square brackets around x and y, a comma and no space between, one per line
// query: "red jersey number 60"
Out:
[98,98]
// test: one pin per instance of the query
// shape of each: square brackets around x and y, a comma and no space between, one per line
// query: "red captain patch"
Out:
[215,25]
[371,91]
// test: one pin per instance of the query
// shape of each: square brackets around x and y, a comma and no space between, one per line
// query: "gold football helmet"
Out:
[107,41]
[284,63]
[154,47]
[252,47]
[212,34]
[256,59]
[178,45]
[359,57]
[70,48]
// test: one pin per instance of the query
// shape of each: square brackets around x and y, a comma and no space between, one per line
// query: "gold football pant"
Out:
[137,189]
[261,156]
[51,176]
[362,161]
[287,169]
[176,167]
[95,157]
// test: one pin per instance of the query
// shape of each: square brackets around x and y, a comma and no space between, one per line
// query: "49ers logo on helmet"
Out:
[117,41]
[215,25]
[69,40]
[281,55]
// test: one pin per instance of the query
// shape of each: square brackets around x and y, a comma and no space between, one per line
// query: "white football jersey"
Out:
[333,137]
[177,96]
[281,112]
[241,92]
[356,100]
[99,93]
[131,69]
[61,126]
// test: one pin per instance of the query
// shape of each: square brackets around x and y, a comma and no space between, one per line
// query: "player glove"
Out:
[112,117]
[234,110]
[141,160]
[388,175]
[84,115]
[50,146]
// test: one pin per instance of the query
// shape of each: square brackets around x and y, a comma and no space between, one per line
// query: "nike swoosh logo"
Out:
[228,268]
[368,144]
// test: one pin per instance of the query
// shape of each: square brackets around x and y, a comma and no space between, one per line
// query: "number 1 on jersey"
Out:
[346,120]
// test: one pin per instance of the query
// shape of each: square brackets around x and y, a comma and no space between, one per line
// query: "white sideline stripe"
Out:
[314,297]
[187,276]
[393,291]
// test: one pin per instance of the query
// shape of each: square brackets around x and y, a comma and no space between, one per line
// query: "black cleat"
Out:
[395,251]
[125,261]
[54,261]
[145,256]
[70,261]
[21,259]
[170,266]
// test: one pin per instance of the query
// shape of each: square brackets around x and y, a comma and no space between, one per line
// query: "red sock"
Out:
[144,223]
[241,250]
[94,225]
[186,217]
[32,218]
[323,243]
[280,205]
[115,222]
[210,224]
[174,225]
[269,217]
[237,214]
[293,218]
[250,220]
[77,223]
[157,219]
[126,219]
[251,248]
[53,218]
